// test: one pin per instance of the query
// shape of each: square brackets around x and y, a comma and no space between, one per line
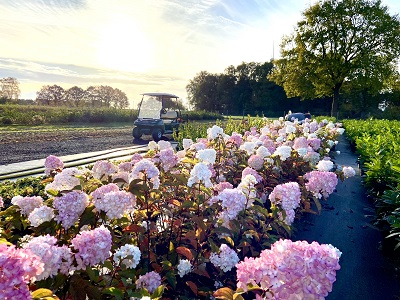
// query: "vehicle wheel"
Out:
[136,133]
[157,134]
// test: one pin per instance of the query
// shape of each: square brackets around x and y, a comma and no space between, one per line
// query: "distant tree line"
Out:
[93,96]
[102,96]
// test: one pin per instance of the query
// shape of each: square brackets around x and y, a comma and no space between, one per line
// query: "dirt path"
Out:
[25,146]
[366,273]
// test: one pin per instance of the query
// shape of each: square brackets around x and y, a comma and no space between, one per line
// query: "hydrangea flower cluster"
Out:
[27,204]
[214,132]
[200,173]
[40,215]
[103,168]
[65,181]
[232,201]
[256,162]
[207,156]
[93,246]
[226,259]
[70,206]
[288,196]
[325,165]
[167,159]
[145,167]
[56,259]
[112,201]
[18,268]
[52,163]
[184,267]
[321,184]
[1,202]
[128,255]
[348,172]
[283,152]
[149,281]
[292,270]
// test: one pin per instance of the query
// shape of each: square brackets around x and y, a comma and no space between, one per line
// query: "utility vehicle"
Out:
[159,114]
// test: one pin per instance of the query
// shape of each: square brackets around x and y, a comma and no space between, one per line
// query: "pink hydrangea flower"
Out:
[321,184]
[232,201]
[250,171]
[18,267]
[56,259]
[226,259]
[93,247]
[27,204]
[287,196]
[52,163]
[136,157]
[292,270]
[65,181]
[149,281]
[167,158]
[103,168]
[235,139]
[115,203]
[222,186]
[300,142]
[314,143]
[146,168]
[70,206]
[256,162]
[1,202]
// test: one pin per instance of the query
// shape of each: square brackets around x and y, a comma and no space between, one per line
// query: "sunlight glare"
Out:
[123,46]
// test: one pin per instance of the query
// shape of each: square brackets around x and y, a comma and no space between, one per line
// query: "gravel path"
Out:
[24,146]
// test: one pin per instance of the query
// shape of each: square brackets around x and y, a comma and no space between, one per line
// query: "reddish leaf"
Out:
[192,286]
[133,228]
[185,252]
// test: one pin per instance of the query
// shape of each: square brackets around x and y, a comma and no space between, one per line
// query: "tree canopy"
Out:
[93,96]
[339,43]
[9,88]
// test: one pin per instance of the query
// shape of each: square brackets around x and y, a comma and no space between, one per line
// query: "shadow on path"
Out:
[345,223]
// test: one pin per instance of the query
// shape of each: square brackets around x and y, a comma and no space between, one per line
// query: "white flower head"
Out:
[207,156]
[214,132]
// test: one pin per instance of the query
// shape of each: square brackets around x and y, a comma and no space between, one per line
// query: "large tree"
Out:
[51,95]
[9,88]
[339,42]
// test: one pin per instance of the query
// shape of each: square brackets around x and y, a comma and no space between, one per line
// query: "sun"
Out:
[123,46]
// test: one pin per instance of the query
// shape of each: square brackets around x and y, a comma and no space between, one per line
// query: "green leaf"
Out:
[119,294]
[158,292]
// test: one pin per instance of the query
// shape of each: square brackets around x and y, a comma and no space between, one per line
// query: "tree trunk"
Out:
[335,100]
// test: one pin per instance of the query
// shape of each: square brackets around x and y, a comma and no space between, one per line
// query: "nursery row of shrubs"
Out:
[378,144]
[13,114]
[213,220]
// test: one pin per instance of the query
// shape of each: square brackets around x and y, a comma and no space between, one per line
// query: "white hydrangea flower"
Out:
[324,165]
[152,145]
[248,147]
[125,251]
[290,129]
[164,145]
[187,143]
[184,267]
[200,172]
[340,130]
[40,215]
[214,132]
[207,156]
[263,152]
[283,152]
[302,151]
[348,172]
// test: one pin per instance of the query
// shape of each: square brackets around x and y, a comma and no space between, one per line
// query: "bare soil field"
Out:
[24,146]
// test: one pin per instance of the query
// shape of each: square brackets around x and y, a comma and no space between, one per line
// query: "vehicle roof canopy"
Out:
[167,95]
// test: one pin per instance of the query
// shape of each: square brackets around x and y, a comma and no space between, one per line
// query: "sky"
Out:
[139,46]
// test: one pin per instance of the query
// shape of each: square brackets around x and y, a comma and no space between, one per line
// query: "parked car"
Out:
[158,115]
[300,117]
